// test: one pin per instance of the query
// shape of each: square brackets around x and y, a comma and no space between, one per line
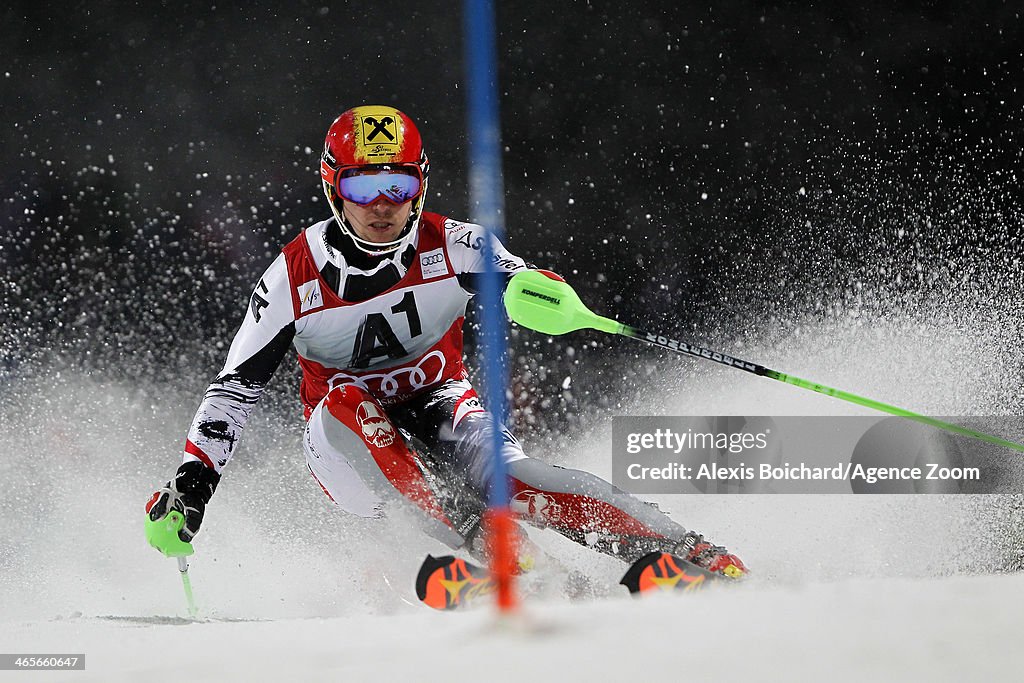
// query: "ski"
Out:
[448,582]
[656,572]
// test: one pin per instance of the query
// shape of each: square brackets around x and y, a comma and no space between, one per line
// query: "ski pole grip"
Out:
[546,303]
[163,535]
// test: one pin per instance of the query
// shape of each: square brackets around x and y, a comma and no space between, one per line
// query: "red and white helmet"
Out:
[376,136]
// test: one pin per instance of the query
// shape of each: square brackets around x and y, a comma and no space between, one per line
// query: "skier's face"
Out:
[378,222]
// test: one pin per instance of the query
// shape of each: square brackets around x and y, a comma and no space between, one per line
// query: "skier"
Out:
[373,300]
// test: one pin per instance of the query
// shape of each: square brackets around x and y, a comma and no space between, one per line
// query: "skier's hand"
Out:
[188,493]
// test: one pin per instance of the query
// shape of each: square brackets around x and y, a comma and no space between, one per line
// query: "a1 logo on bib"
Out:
[432,264]
[309,296]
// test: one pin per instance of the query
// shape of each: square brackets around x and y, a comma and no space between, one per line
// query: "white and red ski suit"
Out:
[391,414]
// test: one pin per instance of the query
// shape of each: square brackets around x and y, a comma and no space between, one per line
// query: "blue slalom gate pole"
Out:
[486,200]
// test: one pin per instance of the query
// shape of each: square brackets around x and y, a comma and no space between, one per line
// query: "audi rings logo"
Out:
[432,264]
[409,378]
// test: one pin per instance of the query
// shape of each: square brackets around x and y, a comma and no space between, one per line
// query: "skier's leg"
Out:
[363,463]
[590,511]
[450,430]
[455,433]
[579,505]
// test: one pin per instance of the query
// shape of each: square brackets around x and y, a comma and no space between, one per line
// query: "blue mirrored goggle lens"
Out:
[397,188]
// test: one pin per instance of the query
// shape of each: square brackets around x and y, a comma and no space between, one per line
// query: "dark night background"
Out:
[717,173]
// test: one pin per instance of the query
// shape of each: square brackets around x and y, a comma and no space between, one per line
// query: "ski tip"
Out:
[449,582]
[427,571]
[657,572]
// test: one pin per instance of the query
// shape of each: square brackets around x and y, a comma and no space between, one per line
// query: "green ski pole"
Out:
[163,535]
[548,305]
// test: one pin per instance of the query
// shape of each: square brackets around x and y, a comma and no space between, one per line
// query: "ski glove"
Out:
[188,493]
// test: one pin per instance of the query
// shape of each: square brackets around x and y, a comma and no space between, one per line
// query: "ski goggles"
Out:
[363,186]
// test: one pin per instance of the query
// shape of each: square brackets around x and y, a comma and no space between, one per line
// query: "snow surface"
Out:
[844,587]
[956,629]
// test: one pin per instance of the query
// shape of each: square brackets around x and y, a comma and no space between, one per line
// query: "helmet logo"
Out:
[380,127]
[376,428]
[378,137]
[328,155]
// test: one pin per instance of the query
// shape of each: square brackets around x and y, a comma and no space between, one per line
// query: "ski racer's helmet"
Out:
[380,138]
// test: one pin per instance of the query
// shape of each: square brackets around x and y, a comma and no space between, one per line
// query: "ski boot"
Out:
[693,548]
